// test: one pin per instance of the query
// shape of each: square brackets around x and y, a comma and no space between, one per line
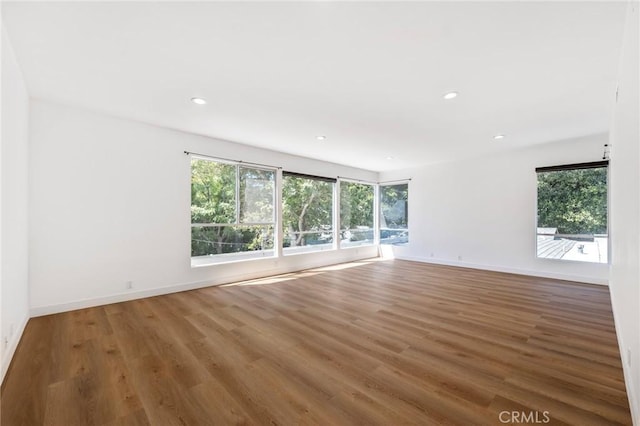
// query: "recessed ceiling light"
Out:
[198,101]
[450,95]
[498,137]
[389,158]
[321,138]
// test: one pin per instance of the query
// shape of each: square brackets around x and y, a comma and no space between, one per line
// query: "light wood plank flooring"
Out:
[371,342]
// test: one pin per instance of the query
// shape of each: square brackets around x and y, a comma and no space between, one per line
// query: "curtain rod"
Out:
[306,176]
[591,165]
[371,182]
[231,160]
[396,180]
[357,180]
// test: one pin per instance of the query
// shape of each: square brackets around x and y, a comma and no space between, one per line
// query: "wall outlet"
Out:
[128,285]
[12,328]
[431,254]
[459,257]
[629,357]
[6,342]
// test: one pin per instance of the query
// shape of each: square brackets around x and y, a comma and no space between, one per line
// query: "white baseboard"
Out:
[632,395]
[533,273]
[39,311]
[11,347]
[300,265]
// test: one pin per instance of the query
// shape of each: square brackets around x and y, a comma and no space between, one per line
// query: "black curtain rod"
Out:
[231,160]
[305,176]
[576,166]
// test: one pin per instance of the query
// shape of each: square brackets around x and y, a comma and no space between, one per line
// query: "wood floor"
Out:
[371,342]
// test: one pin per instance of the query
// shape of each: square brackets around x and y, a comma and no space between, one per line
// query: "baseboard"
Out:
[117,298]
[518,271]
[39,311]
[634,404]
[11,347]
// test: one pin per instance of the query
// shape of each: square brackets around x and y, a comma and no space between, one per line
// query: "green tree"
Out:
[574,201]
[307,206]
[356,209]
[393,206]
[257,190]
[213,201]
[394,214]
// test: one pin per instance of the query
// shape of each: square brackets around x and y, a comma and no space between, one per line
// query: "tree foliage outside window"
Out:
[394,215]
[356,214]
[574,201]
[257,189]
[222,224]
[233,212]
[307,212]
[572,214]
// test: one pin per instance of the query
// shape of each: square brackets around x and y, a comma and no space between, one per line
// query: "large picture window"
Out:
[572,212]
[232,211]
[356,214]
[234,215]
[307,213]
[394,214]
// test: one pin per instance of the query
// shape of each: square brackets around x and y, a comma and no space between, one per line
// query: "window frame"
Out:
[568,167]
[374,211]
[308,248]
[241,256]
[277,219]
[379,228]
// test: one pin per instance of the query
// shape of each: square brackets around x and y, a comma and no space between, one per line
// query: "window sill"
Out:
[573,261]
[223,259]
[314,248]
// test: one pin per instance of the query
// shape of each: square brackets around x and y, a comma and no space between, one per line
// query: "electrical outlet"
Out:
[12,328]
[129,285]
[459,257]
[6,342]
[431,254]
[629,357]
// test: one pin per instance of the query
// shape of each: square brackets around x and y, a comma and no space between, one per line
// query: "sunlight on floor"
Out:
[303,274]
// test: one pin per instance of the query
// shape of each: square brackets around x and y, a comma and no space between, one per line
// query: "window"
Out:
[232,211]
[394,218]
[356,214]
[307,213]
[572,212]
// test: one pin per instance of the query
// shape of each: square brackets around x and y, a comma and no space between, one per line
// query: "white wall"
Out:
[13,195]
[484,210]
[2,53]
[109,203]
[625,211]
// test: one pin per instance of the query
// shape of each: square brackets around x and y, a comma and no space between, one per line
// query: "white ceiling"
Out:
[369,76]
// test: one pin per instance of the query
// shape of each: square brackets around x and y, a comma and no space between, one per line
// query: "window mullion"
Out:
[336,215]
[237,194]
[278,211]
[376,215]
